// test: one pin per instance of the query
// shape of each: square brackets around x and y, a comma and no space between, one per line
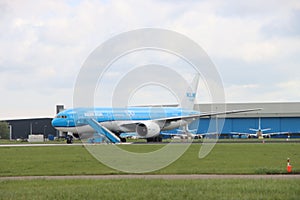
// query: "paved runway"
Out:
[38,145]
[144,143]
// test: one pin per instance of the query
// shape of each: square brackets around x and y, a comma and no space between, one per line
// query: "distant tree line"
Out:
[4,130]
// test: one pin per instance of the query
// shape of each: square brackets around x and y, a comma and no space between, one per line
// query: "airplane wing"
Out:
[248,134]
[196,116]
[276,133]
[263,134]
[188,118]
[239,133]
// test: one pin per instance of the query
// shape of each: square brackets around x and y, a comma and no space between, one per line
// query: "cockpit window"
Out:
[62,116]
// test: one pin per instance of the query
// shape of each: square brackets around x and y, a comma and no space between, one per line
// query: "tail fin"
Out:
[259,127]
[189,100]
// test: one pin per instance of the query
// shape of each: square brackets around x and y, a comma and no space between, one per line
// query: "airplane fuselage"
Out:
[115,119]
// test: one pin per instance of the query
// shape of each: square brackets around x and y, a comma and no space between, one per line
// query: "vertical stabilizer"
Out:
[188,101]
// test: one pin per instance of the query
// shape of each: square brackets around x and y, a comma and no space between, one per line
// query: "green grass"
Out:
[58,160]
[239,159]
[151,189]
[223,159]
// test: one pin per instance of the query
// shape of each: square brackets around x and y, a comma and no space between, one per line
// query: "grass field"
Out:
[223,159]
[151,189]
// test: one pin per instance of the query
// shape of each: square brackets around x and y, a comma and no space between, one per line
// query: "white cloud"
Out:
[43,44]
[285,89]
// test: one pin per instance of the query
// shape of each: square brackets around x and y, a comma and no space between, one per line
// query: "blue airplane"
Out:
[146,122]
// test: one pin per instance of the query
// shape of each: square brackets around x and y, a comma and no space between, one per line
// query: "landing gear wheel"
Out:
[149,139]
[159,138]
[69,139]
[155,139]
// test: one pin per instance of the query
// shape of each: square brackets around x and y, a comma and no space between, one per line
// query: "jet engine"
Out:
[148,129]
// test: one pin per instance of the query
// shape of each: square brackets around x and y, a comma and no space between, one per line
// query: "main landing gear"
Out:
[155,139]
[123,139]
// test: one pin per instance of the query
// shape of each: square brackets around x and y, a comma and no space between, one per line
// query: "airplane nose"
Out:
[58,122]
[62,122]
[54,122]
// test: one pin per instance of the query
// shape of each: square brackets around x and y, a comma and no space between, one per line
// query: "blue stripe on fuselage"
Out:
[68,117]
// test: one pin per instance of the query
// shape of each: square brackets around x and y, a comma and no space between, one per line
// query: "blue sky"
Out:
[255,46]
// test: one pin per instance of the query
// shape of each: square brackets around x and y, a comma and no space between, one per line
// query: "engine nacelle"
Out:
[148,129]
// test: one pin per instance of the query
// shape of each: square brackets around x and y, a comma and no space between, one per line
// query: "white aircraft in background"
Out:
[259,132]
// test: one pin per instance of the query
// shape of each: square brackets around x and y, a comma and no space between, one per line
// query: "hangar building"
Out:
[22,128]
[279,117]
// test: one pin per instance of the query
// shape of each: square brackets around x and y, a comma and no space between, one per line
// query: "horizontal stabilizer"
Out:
[253,129]
[266,129]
